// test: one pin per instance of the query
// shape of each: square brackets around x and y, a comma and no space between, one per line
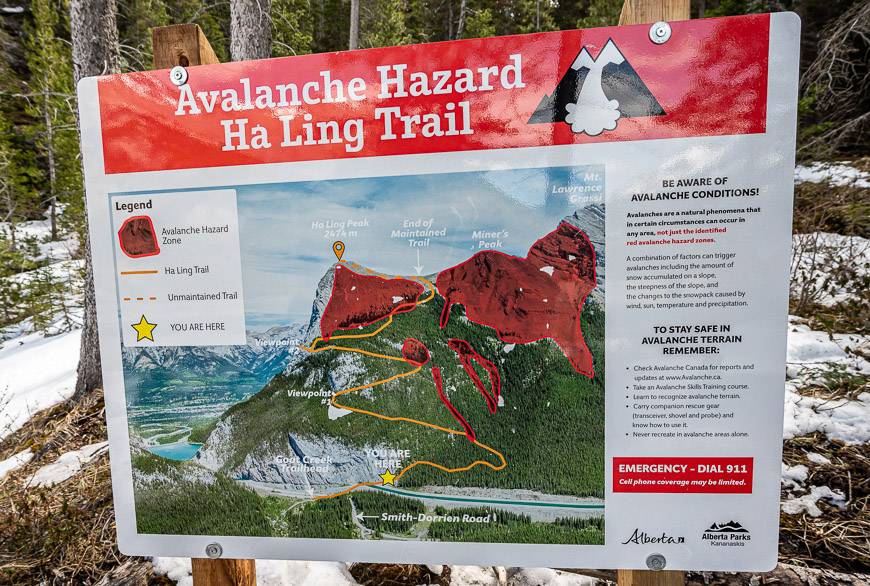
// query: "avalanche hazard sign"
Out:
[518,300]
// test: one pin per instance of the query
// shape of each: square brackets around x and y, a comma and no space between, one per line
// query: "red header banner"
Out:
[559,88]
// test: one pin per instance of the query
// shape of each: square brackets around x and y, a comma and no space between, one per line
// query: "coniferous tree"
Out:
[50,101]
[136,18]
[383,24]
[292,27]
[330,26]
[95,51]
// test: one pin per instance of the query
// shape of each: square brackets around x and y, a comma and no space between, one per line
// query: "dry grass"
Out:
[63,534]
[840,539]
[845,210]
[398,575]
[842,209]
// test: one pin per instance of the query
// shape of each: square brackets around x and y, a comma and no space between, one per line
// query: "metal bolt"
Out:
[656,562]
[214,550]
[178,75]
[660,32]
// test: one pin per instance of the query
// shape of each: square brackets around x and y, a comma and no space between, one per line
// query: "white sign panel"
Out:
[515,301]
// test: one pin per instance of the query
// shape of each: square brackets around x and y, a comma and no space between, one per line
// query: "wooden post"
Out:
[650,11]
[650,578]
[640,12]
[186,45]
[181,44]
[208,572]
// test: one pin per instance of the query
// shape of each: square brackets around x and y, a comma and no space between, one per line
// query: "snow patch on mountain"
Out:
[345,371]
[218,447]
[590,219]
[318,306]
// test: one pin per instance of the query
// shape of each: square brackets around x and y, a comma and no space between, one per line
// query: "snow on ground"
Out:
[67,465]
[269,572]
[794,476]
[14,462]
[811,350]
[40,231]
[820,259]
[810,355]
[834,173]
[807,503]
[839,419]
[68,271]
[36,372]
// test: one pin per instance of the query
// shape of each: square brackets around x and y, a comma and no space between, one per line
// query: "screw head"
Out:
[656,562]
[214,550]
[660,32]
[178,75]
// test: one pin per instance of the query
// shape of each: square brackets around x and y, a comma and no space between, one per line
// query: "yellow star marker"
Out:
[144,330]
[388,477]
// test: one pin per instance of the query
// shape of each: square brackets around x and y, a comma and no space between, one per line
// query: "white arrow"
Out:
[418,267]
[360,517]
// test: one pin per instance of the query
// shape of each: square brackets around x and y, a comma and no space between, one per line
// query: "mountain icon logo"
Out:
[729,527]
[595,93]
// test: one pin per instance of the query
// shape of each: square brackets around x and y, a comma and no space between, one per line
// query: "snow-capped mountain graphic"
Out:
[595,93]
[729,527]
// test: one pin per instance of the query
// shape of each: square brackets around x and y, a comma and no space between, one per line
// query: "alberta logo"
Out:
[642,538]
[730,533]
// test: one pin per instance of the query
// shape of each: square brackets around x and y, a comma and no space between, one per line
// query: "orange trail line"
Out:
[139,272]
[313,350]
[346,490]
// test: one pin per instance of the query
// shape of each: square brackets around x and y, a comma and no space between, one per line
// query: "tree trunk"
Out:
[354,25]
[94,38]
[250,29]
[463,9]
[95,51]
[52,166]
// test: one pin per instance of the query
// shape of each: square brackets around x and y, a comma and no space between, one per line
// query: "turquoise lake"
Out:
[178,451]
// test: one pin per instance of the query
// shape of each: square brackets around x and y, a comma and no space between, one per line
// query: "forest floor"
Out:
[57,520]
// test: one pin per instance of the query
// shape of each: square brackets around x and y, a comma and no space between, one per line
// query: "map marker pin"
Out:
[338,249]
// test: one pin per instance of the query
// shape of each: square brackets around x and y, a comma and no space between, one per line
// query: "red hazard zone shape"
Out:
[467,355]
[439,386]
[138,238]
[529,299]
[415,352]
[360,300]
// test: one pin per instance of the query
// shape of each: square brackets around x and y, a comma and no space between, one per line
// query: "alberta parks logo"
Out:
[726,534]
